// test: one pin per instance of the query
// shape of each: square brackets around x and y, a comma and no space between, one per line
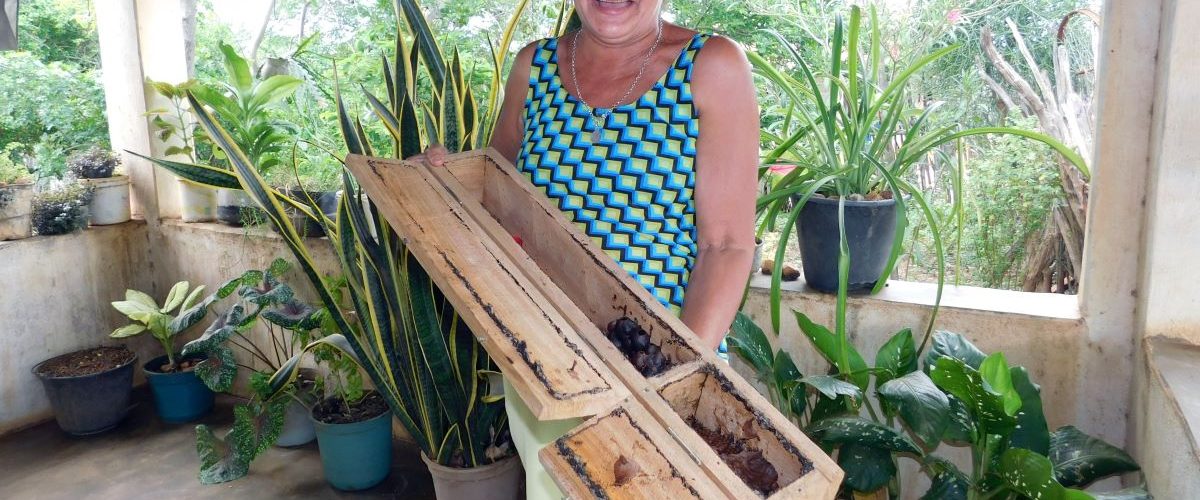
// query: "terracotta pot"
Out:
[497,481]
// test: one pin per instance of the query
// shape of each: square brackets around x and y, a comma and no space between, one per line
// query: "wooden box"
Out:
[540,308]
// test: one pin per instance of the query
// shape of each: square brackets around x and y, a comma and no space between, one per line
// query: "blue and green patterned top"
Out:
[630,191]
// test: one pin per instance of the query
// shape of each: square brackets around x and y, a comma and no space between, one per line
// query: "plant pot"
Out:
[88,404]
[870,232]
[297,426]
[235,208]
[358,455]
[326,200]
[16,211]
[497,481]
[180,396]
[110,199]
[196,202]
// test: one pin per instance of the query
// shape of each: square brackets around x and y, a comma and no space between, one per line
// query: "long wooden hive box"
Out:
[540,308]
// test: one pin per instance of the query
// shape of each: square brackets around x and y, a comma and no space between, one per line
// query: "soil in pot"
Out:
[90,389]
[355,441]
[179,395]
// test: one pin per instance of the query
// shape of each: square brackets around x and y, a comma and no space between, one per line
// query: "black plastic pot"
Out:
[236,208]
[870,232]
[89,404]
[326,200]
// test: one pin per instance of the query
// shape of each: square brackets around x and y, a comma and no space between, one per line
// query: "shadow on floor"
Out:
[145,458]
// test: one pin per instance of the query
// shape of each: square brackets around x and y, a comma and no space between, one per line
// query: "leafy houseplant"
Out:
[244,106]
[394,320]
[281,418]
[61,210]
[110,193]
[963,397]
[173,124]
[16,196]
[856,138]
[179,395]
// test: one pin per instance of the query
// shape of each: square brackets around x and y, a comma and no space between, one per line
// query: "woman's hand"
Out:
[434,156]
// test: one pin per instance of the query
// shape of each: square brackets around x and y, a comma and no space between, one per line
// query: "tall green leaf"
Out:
[1080,459]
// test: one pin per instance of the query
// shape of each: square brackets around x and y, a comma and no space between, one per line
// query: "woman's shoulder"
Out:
[720,51]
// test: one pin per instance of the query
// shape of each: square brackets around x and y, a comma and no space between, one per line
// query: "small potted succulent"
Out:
[179,395]
[62,209]
[89,389]
[16,197]
[96,169]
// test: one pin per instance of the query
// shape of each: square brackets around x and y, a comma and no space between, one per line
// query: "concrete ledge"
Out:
[1170,420]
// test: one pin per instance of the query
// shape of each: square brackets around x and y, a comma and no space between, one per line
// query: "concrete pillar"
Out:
[164,58]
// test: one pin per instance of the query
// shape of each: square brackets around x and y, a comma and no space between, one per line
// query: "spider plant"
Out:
[853,130]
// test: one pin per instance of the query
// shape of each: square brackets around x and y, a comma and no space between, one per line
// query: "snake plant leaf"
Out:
[953,345]
[424,39]
[128,331]
[922,406]
[199,174]
[827,344]
[290,369]
[965,383]
[218,464]
[896,358]
[860,431]
[1031,433]
[947,482]
[995,372]
[1080,459]
[218,369]
[175,297]
[867,469]
[1029,474]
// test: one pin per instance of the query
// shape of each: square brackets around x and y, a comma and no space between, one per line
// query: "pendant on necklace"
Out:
[596,135]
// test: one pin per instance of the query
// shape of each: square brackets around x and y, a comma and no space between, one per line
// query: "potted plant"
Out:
[854,146]
[94,168]
[62,209]
[354,428]
[179,395]
[313,182]
[16,197]
[196,201]
[244,106]
[89,389]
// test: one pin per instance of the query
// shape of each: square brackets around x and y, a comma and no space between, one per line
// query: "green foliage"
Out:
[94,163]
[62,209]
[968,398]
[12,171]
[162,322]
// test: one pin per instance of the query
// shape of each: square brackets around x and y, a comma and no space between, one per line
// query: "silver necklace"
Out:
[599,115]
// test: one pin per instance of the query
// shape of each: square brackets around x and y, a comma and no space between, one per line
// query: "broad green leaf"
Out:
[218,464]
[786,373]
[751,344]
[830,387]
[141,298]
[292,315]
[867,469]
[190,301]
[175,297]
[217,333]
[827,344]
[922,406]
[961,428]
[1031,432]
[128,331]
[136,311]
[218,369]
[829,408]
[966,384]
[947,482]
[860,431]
[237,68]
[897,357]
[949,344]
[256,426]
[1029,474]
[995,372]
[189,317]
[1080,459]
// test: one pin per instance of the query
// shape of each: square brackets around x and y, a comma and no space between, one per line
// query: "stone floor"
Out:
[145,458]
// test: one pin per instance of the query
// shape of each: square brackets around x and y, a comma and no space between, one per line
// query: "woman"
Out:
[646,135]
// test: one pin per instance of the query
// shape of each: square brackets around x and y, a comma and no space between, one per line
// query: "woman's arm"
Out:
[510,123]
[725,190]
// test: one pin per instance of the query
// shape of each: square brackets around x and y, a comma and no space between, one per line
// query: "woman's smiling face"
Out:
[618,21]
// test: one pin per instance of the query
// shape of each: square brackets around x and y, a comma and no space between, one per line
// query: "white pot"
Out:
[110,199]
[16,211]
[197,202]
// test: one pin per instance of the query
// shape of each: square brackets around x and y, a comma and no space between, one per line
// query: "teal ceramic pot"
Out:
[356,456]
[178,397]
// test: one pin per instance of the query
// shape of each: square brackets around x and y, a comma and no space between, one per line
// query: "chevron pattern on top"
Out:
[630,191]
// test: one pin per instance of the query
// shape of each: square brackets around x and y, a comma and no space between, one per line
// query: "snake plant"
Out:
[391,317]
